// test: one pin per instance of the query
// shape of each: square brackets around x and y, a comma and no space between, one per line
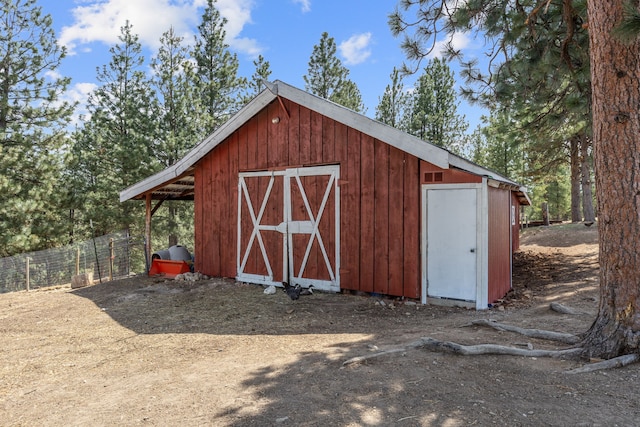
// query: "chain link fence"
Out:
[104,258]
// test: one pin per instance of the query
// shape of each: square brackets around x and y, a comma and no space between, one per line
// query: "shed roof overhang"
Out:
[177,181]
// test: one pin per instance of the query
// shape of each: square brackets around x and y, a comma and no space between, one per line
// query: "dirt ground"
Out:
[215,353]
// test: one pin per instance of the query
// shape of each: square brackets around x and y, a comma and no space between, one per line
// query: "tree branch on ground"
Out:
[432,344]
[531,333]
[616,362]
[563,309]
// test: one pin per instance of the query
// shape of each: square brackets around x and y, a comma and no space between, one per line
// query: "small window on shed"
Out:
[428,177]
[437,177]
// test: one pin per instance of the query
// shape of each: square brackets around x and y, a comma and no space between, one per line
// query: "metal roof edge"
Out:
[227,128]
[146,184]
[388,134]
[464,164]
[201,149]
[403,141]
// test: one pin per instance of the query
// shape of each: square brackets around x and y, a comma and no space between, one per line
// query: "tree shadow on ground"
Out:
[222,306]
[294,386]
[427,389]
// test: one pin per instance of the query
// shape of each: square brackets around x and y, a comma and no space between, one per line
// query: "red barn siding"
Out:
[350,199]
[381,218]
[367,219]
[396,222]
[379,198]
[499,243]
[411,228]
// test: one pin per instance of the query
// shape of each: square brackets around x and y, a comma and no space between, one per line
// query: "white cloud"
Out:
[53,74]
[356,50]
[238,14]
[305,5]
[101,20]
[458,40]
[79,93]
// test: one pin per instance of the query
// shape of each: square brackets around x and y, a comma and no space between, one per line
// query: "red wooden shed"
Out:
[296,188]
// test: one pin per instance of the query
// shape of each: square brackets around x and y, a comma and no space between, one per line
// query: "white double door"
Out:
[288,227]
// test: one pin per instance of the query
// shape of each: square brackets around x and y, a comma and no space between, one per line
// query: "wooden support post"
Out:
[77,261]
[147,231]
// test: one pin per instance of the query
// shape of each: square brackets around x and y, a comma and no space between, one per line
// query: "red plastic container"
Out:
[168,268]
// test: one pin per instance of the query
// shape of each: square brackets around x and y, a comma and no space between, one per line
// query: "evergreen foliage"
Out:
[216,74]
[260,75]
[32,131]
[538,72]
[433,110]
[180,123]
[117,146]
[329,79]
[393,106]
[180,126]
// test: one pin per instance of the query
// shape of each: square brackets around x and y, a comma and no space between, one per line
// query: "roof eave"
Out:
[387,134]
[184,165]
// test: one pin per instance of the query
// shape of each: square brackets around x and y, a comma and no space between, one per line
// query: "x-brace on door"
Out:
[288,227]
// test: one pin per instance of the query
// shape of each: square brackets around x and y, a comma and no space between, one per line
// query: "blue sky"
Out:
[283,31]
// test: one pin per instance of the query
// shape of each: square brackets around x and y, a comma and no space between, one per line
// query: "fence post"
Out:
[77,260]
[27,275]
[111,257]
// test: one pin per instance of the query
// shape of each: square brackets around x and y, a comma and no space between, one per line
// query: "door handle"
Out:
[472,250]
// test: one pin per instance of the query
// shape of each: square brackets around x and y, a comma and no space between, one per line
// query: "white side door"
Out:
[451,240]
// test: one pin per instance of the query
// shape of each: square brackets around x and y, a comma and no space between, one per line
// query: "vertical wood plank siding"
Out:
[411,227]
[379,199]
[350,200]
[381,218]
[499,242]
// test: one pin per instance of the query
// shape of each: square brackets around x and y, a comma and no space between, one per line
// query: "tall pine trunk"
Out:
[615,77]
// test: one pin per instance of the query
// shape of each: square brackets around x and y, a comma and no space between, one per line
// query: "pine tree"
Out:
[260,75]
[394,103]
[539,65]
[434,116]
[179,126]
[33,122]
[504,153]
[329,79]
[216,75]
[616,65]
[612,98]
[349,96]
[117,146]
